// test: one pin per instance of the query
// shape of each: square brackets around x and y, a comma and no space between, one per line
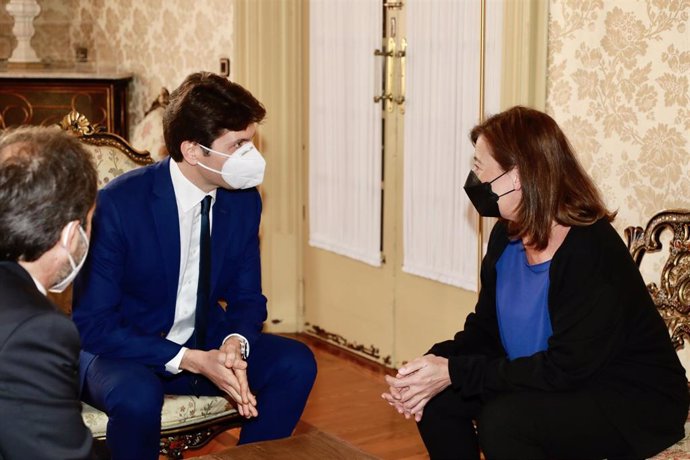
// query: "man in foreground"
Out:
[47,193]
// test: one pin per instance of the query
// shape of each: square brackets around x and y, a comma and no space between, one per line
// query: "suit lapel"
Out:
[164,211]
[220,234]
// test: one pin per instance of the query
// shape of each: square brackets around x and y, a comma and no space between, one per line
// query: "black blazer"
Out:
[40,412]
[608,339]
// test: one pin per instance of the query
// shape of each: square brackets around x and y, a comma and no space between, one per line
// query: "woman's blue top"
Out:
[522,294]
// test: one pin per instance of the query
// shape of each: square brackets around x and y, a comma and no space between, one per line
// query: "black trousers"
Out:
[520,426]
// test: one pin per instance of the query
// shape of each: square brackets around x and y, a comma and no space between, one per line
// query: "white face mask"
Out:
[243,169]
[62,285]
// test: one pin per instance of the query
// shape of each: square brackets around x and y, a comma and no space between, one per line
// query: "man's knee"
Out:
[130,390]
[281,363]
[299,364]
[140,400]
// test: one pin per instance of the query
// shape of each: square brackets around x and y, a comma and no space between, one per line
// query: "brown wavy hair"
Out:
[555,187]
[203,107]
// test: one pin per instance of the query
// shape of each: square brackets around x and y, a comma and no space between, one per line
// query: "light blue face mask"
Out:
[244,168]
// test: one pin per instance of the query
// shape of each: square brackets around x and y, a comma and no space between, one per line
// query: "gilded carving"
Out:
[671,294]
[80,126]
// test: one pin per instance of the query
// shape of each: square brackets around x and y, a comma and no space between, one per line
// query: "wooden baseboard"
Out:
[369,365]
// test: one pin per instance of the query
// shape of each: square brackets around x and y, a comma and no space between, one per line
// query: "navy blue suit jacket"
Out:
[124,297]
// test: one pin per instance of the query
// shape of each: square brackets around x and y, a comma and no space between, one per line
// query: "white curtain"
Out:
[442,106]
[345,128]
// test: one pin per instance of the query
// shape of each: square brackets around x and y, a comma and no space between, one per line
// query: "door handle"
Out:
[387,96]
[400,99]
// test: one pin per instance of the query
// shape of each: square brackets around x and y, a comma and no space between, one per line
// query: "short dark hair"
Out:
[203,107]
[555,187]
[47,179]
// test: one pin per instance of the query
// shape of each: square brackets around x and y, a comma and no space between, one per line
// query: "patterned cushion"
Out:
[148,135]
[178,411]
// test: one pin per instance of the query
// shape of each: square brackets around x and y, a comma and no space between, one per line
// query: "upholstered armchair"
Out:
[188,422]
[671,294]
[148,134]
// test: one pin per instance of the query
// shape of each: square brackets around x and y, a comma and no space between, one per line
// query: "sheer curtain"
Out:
[442,105]
[345,128]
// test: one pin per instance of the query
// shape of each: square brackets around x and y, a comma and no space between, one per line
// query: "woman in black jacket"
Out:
[565,355]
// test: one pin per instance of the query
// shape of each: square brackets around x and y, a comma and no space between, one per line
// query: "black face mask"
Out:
[484,199]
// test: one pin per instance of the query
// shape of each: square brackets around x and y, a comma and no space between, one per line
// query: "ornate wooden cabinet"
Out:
[44,98]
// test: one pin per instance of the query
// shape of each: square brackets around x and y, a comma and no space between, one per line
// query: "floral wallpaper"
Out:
[618,85]
[159,42]
[7,40]
[50,41]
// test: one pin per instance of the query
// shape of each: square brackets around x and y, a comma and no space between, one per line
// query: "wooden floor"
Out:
[346,403]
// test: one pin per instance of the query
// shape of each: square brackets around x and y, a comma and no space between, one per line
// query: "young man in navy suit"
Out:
[167,308]
[47,193]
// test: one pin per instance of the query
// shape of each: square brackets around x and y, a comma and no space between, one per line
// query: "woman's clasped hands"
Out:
[416,383]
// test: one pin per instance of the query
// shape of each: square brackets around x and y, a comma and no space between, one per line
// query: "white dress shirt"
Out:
[38,284]
[188,197]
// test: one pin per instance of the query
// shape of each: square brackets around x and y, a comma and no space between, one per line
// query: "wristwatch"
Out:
[243,347]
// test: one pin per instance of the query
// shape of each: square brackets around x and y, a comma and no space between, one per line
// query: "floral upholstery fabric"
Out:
[178,411]
[110,163]
[148,135]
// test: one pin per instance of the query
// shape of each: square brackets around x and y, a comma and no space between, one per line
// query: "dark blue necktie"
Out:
[202,292]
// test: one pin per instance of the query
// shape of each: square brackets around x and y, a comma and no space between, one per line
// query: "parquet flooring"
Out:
[346,403]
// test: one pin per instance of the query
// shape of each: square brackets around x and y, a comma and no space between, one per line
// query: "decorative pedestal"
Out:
[23,12]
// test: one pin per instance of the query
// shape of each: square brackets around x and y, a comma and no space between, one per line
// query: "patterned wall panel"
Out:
[618,84]
[7,40]
[160,42]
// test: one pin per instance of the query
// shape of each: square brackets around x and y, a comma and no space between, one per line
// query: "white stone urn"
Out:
[23,12]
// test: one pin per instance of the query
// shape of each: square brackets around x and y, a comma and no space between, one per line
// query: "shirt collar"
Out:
[39,286]
[187,194]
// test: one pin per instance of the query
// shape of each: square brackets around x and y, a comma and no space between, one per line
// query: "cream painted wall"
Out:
[268,62]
